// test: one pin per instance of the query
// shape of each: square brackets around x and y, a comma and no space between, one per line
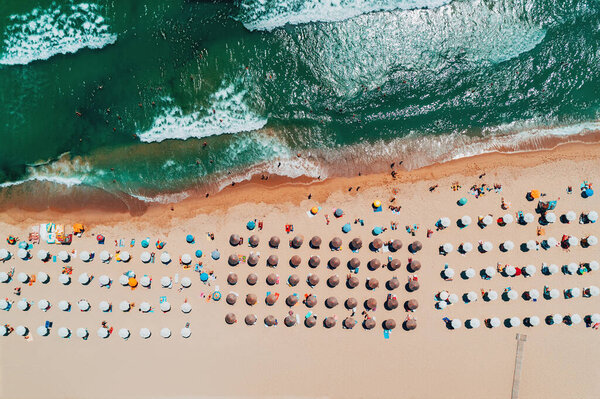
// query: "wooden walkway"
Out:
[521,338]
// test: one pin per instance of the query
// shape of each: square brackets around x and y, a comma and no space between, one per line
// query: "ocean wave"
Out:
[43,33]
[270,14]
[162,198]
[227,114]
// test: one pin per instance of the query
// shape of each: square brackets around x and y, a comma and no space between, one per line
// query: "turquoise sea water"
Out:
[120,96]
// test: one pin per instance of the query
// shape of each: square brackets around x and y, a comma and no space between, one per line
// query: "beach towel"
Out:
[378,209]
[386,334]
[162,299]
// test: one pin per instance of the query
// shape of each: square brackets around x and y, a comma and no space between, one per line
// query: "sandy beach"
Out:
[222,360]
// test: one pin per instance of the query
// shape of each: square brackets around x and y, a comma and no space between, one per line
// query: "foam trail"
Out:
[43,33]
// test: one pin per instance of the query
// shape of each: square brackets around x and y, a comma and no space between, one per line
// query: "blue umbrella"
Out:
[189,238]
[215,255]
[251,225]
[588,193]
[346,228]
[23,245]
[145,243]
[377,230]
[462,201]
[198,253]
[338,213]
[203,276]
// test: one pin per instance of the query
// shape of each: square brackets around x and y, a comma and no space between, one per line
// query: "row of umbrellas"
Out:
[531,321]
[529,270]
[523,218]
[314,261]
[311,320]
[530,245]
[103,332]
[84,306]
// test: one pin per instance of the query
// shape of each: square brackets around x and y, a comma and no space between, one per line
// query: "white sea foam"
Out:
[227,114]
[271,14]
[162,198]
[43,33]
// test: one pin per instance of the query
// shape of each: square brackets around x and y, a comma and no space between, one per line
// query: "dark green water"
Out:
[122,95]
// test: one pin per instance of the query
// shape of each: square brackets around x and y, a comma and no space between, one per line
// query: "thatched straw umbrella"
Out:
[232,279]
[252,260]
[410,324]
[333,281]
[230,318]
[251,299]
[310,301]
[295,261]
[297,241]
[414,265]
[393,283]
[231,298]
[372,283]
[252,279]
[374,264]
[372,303]
[356,243]
[234,240]
[351,303]
[271,299]
[353,282]
[377,243]
[349,322]
[293,280]
[369,324]
[336,243]
[394,264]
[331,302]
[412,304]
[250,319]
[315,242]
[416,246]
[413,285]
[274,242]
[354,263]
[389,324]
[254,240]
[291,300]
[391,303]
[272,260]
[329,322]
[334,262]
[314,261]
[310,321]
[290,321]
[233,260]
[396,245]
[272,279]
[270,320]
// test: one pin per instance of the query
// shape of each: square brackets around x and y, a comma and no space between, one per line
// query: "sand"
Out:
[221,360]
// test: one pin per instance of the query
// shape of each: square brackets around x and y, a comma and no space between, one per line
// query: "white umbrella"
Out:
[42,254]
[145,307]
[465,220]
[449,272]
[4,254]
[4,277]
[43,277]
[528,218]
[186,332]
[82,332]
[83,305]
[3,330]
[445,222]
[510,270]
[490,271]
[165,281]
[474,323]
[144,333]
[595,318]
[487,246]
[554,293]
[23,304]
[443,295]
[570,216]
[84,278]
[531,245]
[186,307]
[557,318]
[43,304]
[456,324]
[123,280]
[470,272]
[467,247]
[165,257]
[592,217]
[534,294]
[553,269]
[508,245]
[84,256]
[534,320]
[441,305]
[165,332]
[530,270]
[573,241]
[124,255]
[471,296]
[104,306]
[550,217]
[42,331]
[186,282]
[552,242]
[63,256]
[64,332]
[124,333]
[186,259]
[594,265]
[64,305]
[124,306]
[593,290]
[104,256]
[21,330]
[104,280]
[508,218]
[592,240]
[487,220]
[23,277]
[23,253]
[64,279]
[145,281]
[453,298]
[514,321]
[103,332]
[492,295]
[4,305]
[572,268]
[575,318]
[145,256]
[512,295]
[447,247]
[575,292]
[165,306]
